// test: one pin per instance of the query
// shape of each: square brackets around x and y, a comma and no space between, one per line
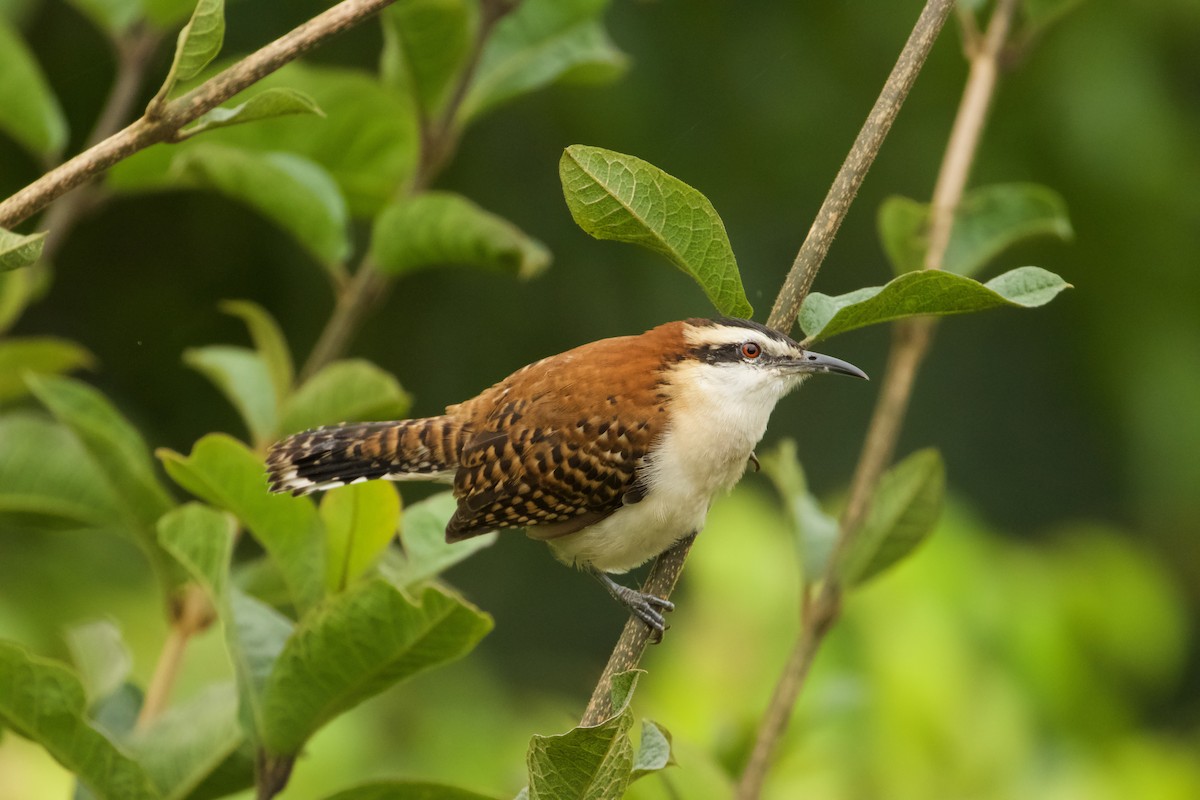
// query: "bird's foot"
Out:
[648,608]
[755,462]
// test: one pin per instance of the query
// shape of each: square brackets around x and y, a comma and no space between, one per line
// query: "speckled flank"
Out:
[555,460]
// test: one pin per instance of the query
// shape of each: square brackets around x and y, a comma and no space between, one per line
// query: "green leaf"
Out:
[29,113]
[44,701]
[37,355]
[543,41]
[815,531]
[197,45]
[926,292]
[189,741]
[256,638]
[111,16]
[654,752]
[168,13]
[47,478]
[445,228]
[278,102]
[245,380]
[223,472]
[18,250]
[19,288]
[268,341]
[425,45]
[904,512]
[407,790]
[367,142]
[360,521]
[345,391]
[201,539]
[619,197]
[113,444]
[293,192]
[988,221]
[592,763]
[355,645]
[424,552]
[101,656]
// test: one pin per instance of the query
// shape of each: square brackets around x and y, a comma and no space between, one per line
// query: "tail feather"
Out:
[323,458]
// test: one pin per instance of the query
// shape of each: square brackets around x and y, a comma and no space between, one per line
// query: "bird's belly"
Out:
[633,534]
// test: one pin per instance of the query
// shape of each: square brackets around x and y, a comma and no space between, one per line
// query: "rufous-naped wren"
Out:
[610,452]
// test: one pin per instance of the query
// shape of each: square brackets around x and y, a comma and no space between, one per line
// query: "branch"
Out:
[910,342]
[179,112]
[854,169]
[191,613]
[662,579]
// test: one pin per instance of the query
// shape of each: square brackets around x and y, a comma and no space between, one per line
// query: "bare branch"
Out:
[910,342]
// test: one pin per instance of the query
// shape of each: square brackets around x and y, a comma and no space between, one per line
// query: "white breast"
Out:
[715,424]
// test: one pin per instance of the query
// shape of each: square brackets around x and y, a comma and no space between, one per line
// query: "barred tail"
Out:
[416,449]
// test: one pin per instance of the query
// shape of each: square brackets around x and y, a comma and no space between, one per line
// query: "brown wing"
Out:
[567,451]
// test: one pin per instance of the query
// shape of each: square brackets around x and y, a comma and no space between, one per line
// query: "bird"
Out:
[610,452]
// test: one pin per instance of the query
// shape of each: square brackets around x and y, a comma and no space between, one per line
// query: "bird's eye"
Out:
[751,350]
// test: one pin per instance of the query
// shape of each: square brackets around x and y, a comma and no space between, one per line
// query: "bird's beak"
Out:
[815,362]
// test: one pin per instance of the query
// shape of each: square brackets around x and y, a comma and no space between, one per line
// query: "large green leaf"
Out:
[44,701]
[296,193]
[360,521]
[926,292]
[593,763]
[425,45]
[201,539]
[269,341]
[406,790]
[988,221]
[445,228]
[367,141]
[355,645]
[223,472]
[245,380]
[47,478]
[345,391]
[278,102]
[29,112]
[199,43]
[815,531]
[905,510]
[19,250]
[113,444]
[190,741]
[37,355]
[619,197]
[541,42]
[424,552]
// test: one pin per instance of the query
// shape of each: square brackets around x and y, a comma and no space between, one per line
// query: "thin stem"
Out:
[662,579]
[910,343]
[192,614]
[854,170]
[177,113]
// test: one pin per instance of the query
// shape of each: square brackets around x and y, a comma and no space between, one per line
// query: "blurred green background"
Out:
[1044,644]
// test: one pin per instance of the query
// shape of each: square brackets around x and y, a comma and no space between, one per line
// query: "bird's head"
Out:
[748,358]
